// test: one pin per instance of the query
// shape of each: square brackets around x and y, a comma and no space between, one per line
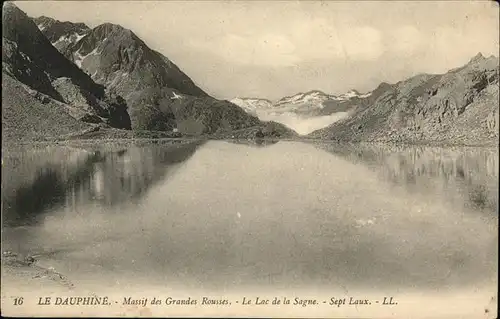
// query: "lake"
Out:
[293,218]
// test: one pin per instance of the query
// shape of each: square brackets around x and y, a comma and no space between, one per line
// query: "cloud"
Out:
[322,40]
[363,43]
[301,125]
[264,49]
[305,41]
[405,40]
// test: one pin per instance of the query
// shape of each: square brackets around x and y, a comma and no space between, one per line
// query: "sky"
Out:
[271,49]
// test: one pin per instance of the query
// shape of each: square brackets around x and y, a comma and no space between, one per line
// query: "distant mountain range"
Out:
[105,77]
[460,106]
[312,103]
[305,112]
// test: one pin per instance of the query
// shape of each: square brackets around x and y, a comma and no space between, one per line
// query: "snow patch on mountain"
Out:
[41,26]
[66,38]
[176,96]
[61,39]
[25,56]
[79,37]
[78,58]
[73,38]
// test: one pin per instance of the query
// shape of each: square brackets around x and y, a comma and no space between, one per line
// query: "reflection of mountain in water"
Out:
[36,180]
[463,175]
[128,174]
[254,143]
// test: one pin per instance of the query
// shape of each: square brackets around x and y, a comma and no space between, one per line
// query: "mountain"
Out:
[116,58]
[313,103]
[308,104]
[319,100]
[29,115]
[158,94]
[460,106]
[313,99]
[61,34]
[251,105]
[305,112]
[30,59]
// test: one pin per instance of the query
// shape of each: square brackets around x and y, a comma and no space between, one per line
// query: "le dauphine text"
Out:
[211,301]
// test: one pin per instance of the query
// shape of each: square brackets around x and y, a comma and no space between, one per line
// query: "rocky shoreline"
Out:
[26,270]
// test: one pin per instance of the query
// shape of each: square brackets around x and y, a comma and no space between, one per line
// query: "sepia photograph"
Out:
[280,159]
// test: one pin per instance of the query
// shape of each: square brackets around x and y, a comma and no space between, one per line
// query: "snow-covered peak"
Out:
[350,95]
[300,102]
[313,98]
[252,103]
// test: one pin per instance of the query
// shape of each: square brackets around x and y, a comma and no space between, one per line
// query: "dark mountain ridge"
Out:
[29,57]
[19,29]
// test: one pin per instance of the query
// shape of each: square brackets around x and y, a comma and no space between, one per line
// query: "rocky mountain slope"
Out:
[460,106]
[117,58]
[61,34]
[30,115]
[29,57]
[158,94]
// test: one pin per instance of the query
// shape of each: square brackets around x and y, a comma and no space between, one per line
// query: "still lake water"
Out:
[229,216]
